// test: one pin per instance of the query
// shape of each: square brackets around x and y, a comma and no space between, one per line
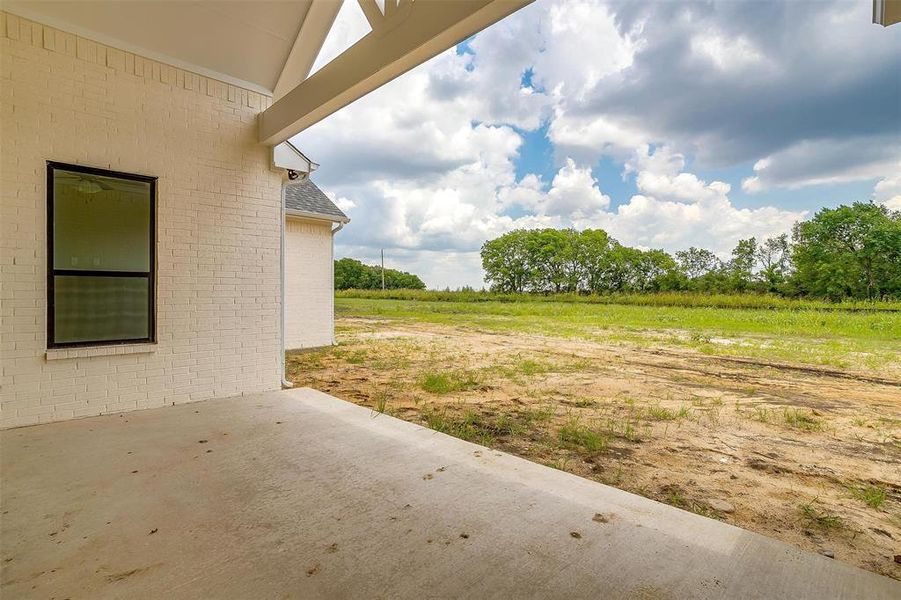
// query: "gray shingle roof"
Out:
[305,197]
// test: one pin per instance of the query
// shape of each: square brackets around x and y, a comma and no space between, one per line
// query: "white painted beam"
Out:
[316,25]
[410,34]
[371,11]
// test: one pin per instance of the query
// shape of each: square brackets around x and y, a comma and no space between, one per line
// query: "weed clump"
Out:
[472,426]
[800,419]
[445,382]
[574,434]
[468,426]
[659,413]
[820,519]
[532,367]
[871,495]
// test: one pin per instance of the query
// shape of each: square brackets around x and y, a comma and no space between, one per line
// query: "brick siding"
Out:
[69,99]
[309,289]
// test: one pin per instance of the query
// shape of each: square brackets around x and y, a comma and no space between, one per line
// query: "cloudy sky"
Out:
[667,124]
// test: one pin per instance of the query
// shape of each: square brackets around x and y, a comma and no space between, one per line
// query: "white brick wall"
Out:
[69,99]
[309,289]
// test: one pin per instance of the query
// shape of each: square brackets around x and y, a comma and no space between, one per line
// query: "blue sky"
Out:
[666,124]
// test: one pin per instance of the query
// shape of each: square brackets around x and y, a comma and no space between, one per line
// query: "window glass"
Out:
[101,258]
[100,223]
[91,309]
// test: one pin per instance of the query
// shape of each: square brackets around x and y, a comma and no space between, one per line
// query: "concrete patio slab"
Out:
[296,494]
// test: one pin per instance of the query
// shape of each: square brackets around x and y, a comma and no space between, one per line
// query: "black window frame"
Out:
[53,272]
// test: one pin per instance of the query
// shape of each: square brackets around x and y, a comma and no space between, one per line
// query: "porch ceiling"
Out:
[298,494]
[270,46]
[247,42]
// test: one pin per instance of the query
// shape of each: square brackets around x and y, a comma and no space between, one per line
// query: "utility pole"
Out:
[383,269]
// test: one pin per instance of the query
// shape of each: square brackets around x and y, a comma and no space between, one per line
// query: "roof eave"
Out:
[293,212]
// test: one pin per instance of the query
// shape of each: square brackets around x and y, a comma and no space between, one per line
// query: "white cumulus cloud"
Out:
[431,165]
[888,191]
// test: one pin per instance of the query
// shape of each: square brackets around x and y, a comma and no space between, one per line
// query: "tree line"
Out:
[845,252]
[352,274]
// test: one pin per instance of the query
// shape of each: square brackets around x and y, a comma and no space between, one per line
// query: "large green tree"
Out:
[506,261]
[849,251]
[741,267]
[593,259]
[552,254]
[773,258]
[701,270]
[697,262]
[352,274]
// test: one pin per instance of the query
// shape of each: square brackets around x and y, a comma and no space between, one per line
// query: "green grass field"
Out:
[801,332]
[683,299]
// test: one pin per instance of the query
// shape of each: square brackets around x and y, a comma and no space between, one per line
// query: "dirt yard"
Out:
[810,455]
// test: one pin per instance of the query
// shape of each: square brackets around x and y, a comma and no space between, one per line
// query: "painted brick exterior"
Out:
[309,289]
[69,99]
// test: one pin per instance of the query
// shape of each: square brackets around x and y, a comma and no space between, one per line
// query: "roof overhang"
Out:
[287,156]
[291,212]
[269,46]
[405,35]
[260,45]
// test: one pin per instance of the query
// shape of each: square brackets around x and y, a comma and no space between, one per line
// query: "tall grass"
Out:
[568,319]
[868,340]
[685,299]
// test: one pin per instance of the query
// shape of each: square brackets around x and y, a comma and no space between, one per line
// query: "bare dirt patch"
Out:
[809,456]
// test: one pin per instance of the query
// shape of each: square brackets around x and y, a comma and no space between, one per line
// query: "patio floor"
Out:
[297,494]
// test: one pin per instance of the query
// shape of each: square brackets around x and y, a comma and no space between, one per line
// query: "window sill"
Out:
[111,350]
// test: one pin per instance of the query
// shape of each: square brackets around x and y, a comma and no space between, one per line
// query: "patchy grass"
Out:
[796,418]
[306,360]
[699,338]
[574,434]
[356,358]
[818,518]
[871,495]
[542,414]
[674,497]
[659,413]
[445,382]
[762,414]
[472,426]
[381,401]
[585,403]
[606,401]
[468,426]
[558,463]
[625,428]
[801,419]
[522,369]
[535,417]
[868,340]
[530,367]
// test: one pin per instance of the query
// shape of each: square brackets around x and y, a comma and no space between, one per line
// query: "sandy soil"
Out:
[789,451]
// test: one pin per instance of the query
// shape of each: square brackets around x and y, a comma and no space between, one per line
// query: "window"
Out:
[101,242]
